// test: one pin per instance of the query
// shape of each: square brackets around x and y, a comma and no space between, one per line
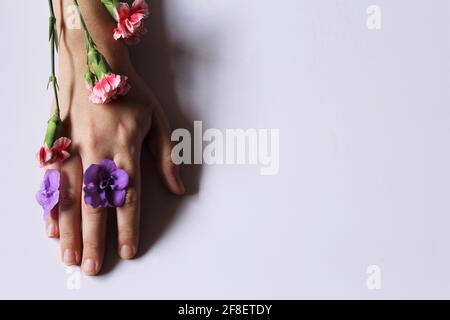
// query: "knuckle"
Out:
[92,246]
[91,212]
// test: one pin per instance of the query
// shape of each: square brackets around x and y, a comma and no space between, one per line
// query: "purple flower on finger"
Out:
[105,185]
[48,194]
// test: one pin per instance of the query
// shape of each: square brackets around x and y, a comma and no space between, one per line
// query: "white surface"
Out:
[364,175]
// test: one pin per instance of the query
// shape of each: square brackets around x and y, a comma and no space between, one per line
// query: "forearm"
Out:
[72,41]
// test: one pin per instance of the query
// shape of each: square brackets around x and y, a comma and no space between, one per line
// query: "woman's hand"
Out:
[117,131]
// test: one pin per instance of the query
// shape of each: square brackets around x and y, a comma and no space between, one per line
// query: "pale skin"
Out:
[117,131]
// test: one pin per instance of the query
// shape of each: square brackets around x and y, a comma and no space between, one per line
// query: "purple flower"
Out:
[105,185]
[48,194]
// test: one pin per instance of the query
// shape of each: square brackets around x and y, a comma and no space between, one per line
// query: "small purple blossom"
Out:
[48,194]
[105,185]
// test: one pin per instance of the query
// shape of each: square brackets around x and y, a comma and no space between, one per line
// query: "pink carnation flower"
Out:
[130,21]
[58,152]
[109,88]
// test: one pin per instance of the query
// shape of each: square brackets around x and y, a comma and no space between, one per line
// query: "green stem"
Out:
[94,58]
[87,37]
[111,7]
[55,120]
[52,12]
[54,80]
[53,45]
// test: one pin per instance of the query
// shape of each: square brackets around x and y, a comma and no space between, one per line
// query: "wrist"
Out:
[100,25]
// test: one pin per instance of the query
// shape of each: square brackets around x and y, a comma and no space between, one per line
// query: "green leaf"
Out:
[90,78]
[50,80]
[56,40]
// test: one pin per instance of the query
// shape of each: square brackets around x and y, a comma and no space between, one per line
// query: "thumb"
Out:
[161,147]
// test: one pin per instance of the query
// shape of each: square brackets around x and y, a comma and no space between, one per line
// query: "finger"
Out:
[161,147]
[51,224]
[128,215]
[70,210]
[93,231]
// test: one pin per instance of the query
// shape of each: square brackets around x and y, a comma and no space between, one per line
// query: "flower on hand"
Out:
[48,194]
[130,21]
[109,88]
[104,85]
[58,152]
[105,185]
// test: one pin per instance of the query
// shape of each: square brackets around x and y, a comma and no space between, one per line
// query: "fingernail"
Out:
[69,256]
[88,266]
[126,252]
[51,230]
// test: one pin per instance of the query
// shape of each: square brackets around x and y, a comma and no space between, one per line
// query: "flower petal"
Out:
[130,21]
[52,180]
[95,199]
[118,34]
[42,198]
[52,202]
[48,195]
[45,156]
[109,166]
[123,10]
[116,198]
[140,6]
[90,187]
[63,155]
[121,179]
[62,144]
[41,156]
[109,88]
[92,174]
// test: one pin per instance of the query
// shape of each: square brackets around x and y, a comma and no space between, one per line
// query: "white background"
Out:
[364,175]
